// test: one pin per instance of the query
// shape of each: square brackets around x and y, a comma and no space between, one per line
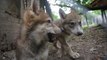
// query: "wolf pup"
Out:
[69,24]
[33,42]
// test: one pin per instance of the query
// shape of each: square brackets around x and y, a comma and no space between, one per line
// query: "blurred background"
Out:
[91,46]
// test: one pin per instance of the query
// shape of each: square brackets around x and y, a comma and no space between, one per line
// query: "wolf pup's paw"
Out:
[75,55]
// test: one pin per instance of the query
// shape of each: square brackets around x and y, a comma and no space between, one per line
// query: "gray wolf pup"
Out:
[33,42]
[69,24]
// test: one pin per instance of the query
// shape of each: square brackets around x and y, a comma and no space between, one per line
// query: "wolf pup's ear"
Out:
[62,14]
[35,6]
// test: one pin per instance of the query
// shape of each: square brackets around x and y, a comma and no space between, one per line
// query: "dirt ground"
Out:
[91,46]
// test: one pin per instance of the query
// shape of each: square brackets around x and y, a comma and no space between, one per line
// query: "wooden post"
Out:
[105,16]
[22,8]
[102,14]
[48,9]
[86,20]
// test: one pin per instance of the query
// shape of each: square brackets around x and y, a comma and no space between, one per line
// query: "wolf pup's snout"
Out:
[56,29]
[79,33]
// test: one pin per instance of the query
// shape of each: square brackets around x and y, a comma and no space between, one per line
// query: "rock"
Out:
[93,49]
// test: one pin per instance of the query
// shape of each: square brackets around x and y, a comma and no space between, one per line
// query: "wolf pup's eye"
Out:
[49,21]
[79,23]
[72,23]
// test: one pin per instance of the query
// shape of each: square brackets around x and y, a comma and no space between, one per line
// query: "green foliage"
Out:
[55,17]
[97,12]
[84,2]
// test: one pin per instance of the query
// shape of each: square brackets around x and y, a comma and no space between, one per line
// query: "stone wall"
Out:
[9,23]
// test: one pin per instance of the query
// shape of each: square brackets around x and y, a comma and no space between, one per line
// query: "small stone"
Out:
[4,58]
[93,49]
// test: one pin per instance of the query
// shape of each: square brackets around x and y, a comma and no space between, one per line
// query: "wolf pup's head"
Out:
[44,27]
[71,22]
[39,24]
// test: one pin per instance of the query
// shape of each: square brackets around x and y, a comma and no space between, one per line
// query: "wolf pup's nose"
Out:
[79,33]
